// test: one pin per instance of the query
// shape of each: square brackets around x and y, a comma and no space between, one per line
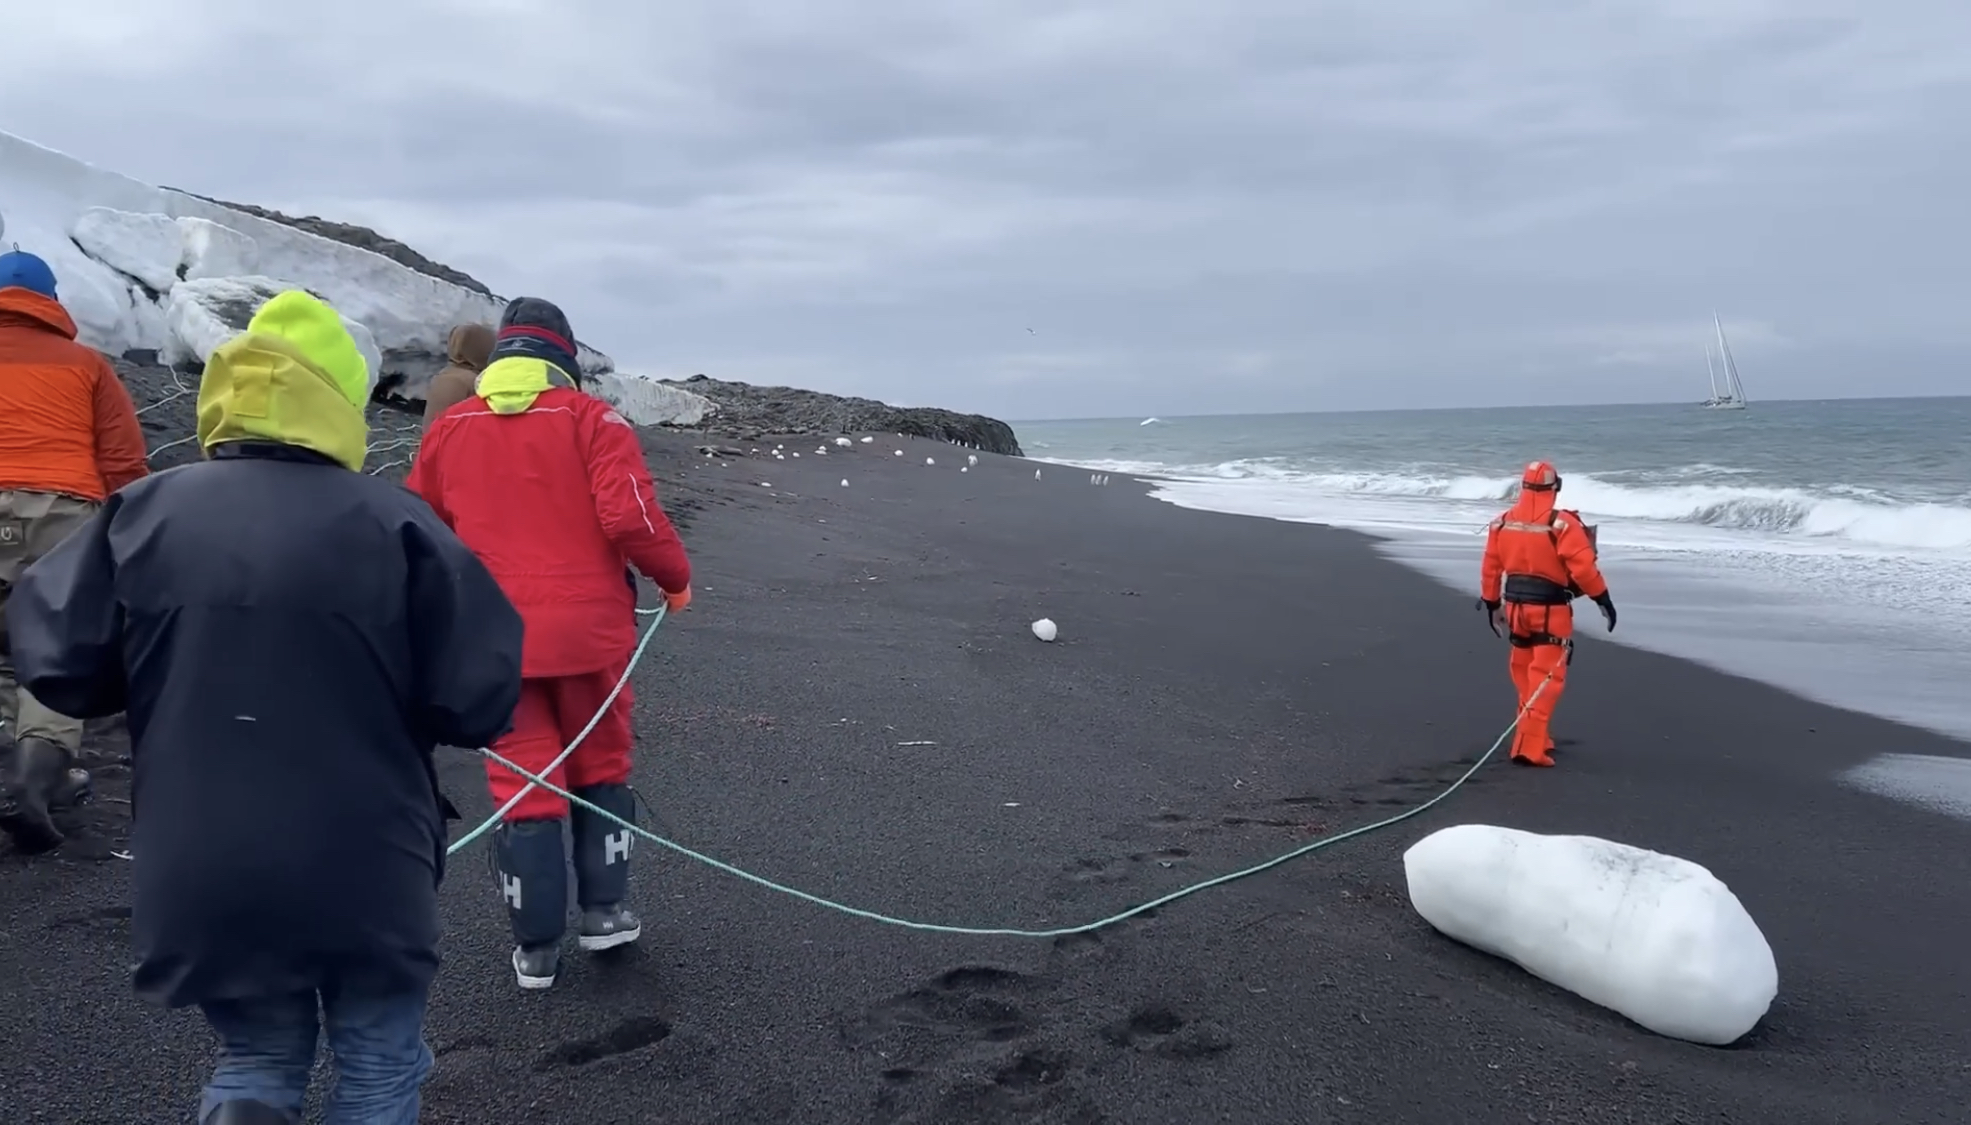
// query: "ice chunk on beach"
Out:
[1656,938]
[867,440]
[930,461]
[647,402]
[844,442]
[1045,630]
[845,482]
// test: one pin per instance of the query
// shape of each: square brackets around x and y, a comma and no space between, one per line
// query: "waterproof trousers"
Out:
[267,1051]
[1534,665]
[551,713]
[31,525]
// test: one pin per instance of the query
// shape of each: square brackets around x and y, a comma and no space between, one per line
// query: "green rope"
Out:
[657,615]
[996,931]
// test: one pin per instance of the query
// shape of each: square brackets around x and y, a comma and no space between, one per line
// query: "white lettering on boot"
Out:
[615,847]
[510,886]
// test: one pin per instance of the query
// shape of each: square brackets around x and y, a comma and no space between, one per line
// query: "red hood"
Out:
[1533,507]
[24,308]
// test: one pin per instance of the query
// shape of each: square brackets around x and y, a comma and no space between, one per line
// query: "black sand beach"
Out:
[855,706]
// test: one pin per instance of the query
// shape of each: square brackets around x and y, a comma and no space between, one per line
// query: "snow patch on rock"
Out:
[1656,938]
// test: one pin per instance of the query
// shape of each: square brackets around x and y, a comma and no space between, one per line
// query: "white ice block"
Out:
[1656,938]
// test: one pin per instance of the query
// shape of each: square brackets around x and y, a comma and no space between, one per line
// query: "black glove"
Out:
[1493,618]
[1607,605]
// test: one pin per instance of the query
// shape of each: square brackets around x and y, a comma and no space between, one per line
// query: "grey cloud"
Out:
[1254,205]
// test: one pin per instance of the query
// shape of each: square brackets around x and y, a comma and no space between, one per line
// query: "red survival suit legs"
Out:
[551,713]
[1532,665]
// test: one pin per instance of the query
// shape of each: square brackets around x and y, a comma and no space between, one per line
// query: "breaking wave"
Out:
[1701,496]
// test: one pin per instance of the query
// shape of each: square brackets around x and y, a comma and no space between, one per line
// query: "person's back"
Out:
[68,438]
[272,659]
[468,349]
[291,640]
[548,486]
[1538,559]
[564,572]
[66,423]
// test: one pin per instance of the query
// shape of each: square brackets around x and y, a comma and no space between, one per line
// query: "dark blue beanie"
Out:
[22,270]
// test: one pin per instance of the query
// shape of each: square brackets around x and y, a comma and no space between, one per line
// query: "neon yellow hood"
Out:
[295,377]
[511,385]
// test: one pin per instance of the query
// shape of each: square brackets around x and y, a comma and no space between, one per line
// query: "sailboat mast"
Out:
[1731,365]
[1711,372]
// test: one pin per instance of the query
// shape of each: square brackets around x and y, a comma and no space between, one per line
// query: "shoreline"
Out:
[1704,615]
[1224,688]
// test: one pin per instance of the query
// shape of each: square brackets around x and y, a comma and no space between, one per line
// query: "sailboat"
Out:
[1733,395]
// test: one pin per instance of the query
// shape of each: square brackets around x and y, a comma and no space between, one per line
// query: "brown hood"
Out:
[470,346]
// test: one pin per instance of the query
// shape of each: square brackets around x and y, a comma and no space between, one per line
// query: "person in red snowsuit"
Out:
[547,485]
[1538,559]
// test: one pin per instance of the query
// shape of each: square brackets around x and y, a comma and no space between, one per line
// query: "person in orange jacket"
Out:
[1538,559]
[68,438]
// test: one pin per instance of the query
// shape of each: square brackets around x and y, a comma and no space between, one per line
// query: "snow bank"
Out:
[120,247]
[647,402]
[1659,939]
[203,314]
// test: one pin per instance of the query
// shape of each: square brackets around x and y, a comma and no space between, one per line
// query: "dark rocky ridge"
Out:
[749,413]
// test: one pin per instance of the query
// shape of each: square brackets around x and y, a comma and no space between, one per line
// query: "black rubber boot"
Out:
[249,1113]
[602,868]
[36,777]
[533,879]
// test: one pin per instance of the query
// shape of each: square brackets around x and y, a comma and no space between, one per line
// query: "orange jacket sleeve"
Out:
[626,501]
[1491,572]
[1577,554]
[120,453]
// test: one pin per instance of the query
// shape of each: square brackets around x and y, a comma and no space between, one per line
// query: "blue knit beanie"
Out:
[20,269]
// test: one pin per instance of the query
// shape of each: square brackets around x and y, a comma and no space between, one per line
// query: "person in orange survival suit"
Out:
[1538,559]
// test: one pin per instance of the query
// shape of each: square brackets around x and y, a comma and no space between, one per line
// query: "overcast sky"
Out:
[1042,208]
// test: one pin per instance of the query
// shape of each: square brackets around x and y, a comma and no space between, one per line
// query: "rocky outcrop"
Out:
[749,413]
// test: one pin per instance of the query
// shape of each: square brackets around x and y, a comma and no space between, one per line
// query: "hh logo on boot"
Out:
[616,847]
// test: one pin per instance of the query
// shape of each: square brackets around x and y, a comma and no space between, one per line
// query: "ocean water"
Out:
[1824,547]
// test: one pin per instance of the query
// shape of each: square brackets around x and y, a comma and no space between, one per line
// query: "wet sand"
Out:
[855,706]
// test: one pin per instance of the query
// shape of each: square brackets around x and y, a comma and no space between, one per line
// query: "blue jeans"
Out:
[267,1048]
